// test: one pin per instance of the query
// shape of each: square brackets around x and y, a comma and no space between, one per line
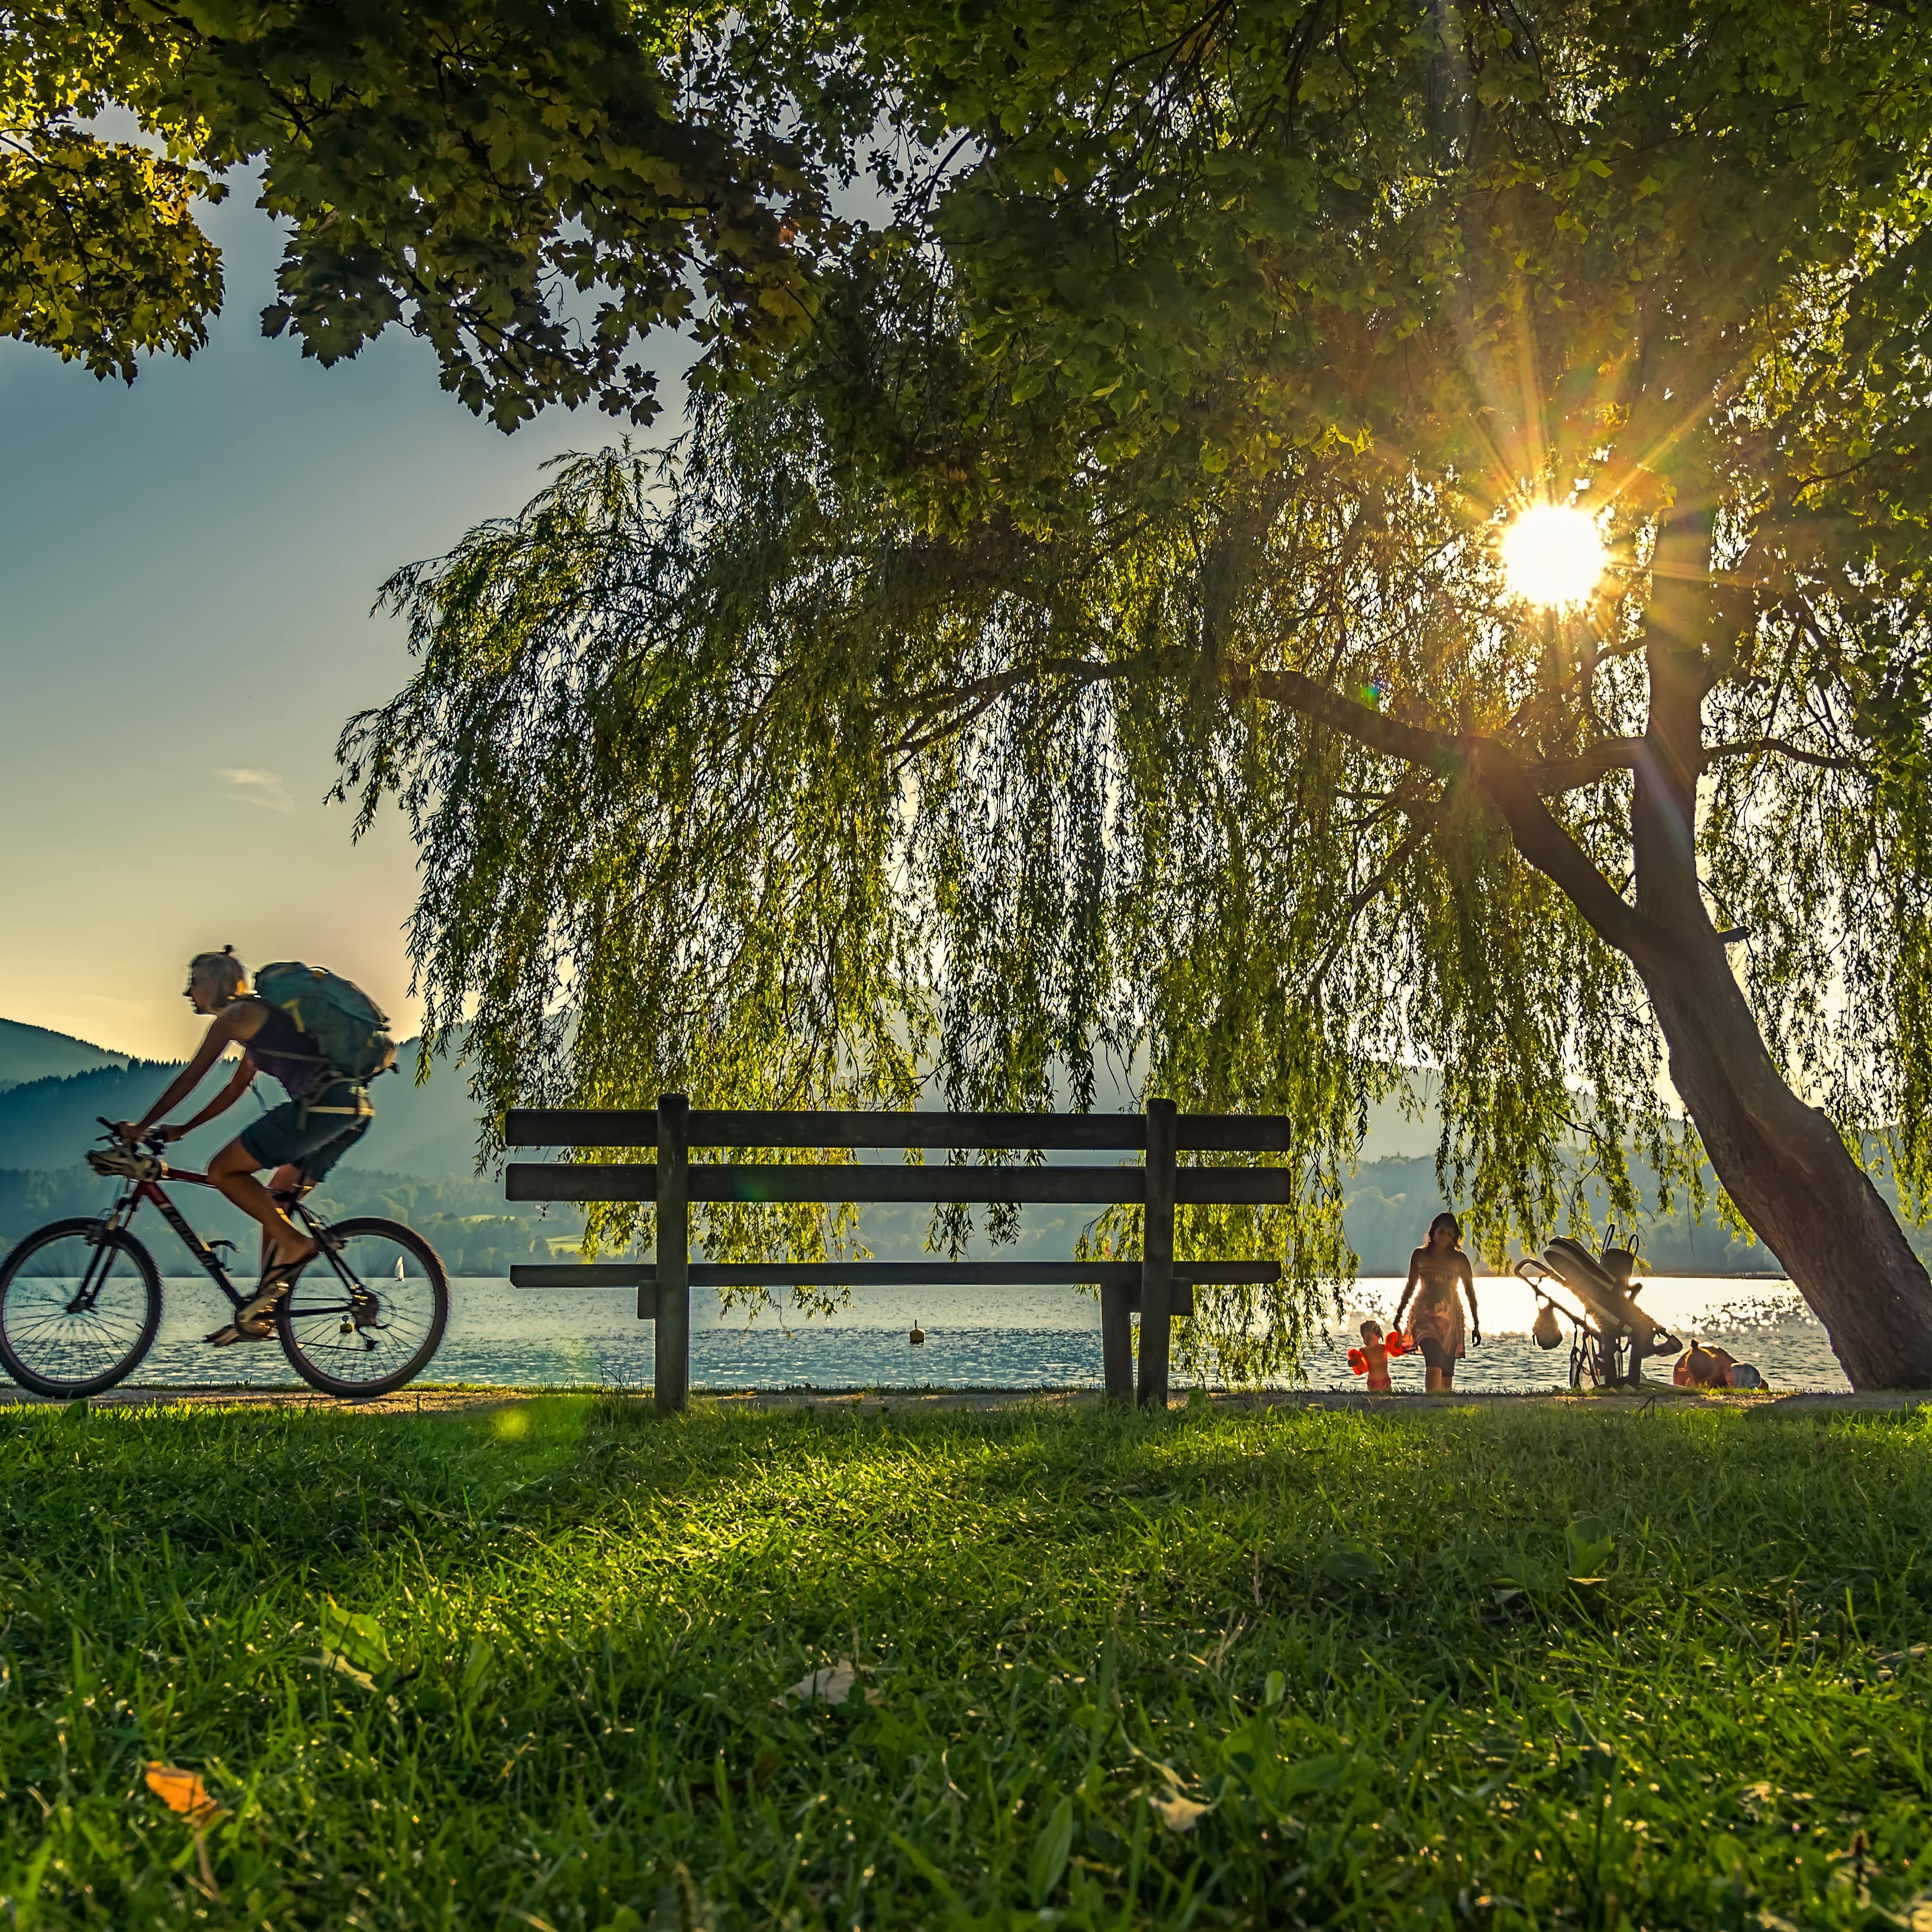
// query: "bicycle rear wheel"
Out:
[369,1311]
[79,1304]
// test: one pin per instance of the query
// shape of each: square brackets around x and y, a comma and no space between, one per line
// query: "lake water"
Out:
[986,1338]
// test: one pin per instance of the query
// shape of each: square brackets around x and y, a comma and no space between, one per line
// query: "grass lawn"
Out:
[523,1669]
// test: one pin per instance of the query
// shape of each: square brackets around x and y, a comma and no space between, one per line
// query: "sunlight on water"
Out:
[982,1338]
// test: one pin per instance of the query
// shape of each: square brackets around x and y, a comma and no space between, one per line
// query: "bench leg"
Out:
[1117,1344]
[673,1257]
[1157,1255]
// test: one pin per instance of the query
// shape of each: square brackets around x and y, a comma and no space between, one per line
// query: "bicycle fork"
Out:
[94,1276]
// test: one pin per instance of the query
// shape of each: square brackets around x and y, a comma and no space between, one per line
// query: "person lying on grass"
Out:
[1712,1367]
[324,1116]
[1437,1269]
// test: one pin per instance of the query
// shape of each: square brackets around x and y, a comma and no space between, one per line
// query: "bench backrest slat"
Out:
[825,1127]
[755,1182]
[887,1274]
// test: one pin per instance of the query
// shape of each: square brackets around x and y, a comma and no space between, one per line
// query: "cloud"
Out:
[253,787]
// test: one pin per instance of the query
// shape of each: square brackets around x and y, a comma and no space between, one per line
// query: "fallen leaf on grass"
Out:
[183,1791]
[1178,1812]
[335,1660]
[356,1645]
[830,1686]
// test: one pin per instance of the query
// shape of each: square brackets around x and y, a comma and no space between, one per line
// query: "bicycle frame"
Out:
[149,1188]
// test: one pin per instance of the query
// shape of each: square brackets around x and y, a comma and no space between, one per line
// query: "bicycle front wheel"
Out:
[79,1303]
[368,1312]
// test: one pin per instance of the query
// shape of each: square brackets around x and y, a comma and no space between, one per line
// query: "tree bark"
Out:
[1784,1165]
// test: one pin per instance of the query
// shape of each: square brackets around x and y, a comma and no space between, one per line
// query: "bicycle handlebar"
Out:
[153,1142]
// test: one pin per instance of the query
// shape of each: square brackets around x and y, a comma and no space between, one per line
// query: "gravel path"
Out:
[431,1400]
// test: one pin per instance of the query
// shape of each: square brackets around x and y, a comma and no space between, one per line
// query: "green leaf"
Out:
[1592,1545]
[1048,1865]
[1350,1563]
[1520,1570]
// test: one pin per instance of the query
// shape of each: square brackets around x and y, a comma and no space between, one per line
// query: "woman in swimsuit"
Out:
[1438,1268]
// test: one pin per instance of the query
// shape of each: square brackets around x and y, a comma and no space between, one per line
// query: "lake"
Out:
[983,1338]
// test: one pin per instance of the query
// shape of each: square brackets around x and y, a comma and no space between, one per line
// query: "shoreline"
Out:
[448,1398]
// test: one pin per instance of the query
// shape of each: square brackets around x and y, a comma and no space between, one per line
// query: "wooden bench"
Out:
[1155,1287]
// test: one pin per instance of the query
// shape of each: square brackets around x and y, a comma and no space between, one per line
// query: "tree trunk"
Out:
[1780,1160]
[1783,1164]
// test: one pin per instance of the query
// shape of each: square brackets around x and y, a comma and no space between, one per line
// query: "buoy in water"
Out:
[917,1337]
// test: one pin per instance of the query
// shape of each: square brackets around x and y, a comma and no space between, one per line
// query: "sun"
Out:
[1553,555]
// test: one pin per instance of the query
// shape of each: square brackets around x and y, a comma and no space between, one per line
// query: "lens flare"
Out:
[1553,555]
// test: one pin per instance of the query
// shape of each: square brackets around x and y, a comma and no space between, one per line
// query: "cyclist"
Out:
[326,1114]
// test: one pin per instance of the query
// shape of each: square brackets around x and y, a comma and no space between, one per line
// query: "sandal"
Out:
[255,1319]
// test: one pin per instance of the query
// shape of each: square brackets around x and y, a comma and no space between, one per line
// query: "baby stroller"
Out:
[1611,1336]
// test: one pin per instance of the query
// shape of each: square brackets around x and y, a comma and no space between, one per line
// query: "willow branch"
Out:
[1509,785]
[1783,748]
[1423,820]
[957,705]
[1592,763]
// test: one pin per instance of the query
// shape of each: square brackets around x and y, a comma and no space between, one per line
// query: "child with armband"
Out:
[1372,1359]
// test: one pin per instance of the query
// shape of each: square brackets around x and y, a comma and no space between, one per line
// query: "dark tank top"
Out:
[281,1050]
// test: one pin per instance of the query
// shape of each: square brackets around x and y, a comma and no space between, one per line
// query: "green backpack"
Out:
[351,1032]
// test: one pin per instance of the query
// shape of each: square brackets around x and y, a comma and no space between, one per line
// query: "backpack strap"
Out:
[358,1092]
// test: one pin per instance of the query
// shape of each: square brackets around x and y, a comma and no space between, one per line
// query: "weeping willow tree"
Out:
[1093,642]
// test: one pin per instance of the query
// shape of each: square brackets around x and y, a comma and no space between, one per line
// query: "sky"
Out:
[187,568]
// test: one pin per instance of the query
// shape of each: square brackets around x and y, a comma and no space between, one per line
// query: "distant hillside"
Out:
[423,1132]
[50,1123]
[35,1053]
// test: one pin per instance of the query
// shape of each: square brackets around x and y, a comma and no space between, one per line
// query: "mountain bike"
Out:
[80,1300]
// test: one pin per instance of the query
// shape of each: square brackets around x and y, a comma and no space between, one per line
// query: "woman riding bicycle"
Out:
[326,1114]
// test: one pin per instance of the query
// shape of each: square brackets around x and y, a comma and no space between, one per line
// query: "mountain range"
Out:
[35,1053]
[48,1112]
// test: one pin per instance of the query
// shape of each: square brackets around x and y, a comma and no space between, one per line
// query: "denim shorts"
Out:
[311,1136]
